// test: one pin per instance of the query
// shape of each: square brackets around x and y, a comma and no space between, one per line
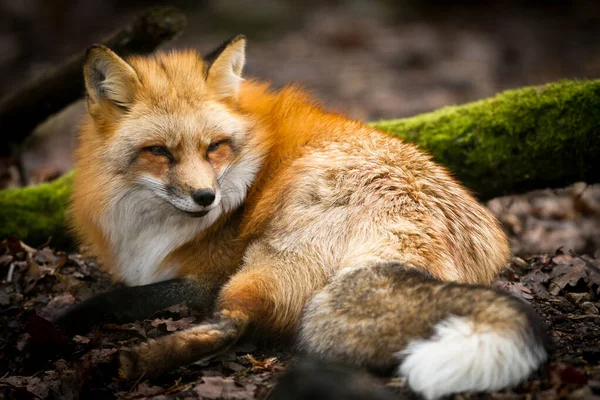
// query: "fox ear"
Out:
[224,67]
[109,77]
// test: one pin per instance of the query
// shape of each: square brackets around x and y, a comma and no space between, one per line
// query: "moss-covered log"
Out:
[37,214]
[519,140]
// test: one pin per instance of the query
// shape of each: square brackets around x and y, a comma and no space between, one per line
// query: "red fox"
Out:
[259,205]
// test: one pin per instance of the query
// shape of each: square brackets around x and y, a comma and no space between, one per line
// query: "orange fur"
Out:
[289,127]
[306,196]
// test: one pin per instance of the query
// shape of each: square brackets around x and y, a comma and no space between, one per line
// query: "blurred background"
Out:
[368,59]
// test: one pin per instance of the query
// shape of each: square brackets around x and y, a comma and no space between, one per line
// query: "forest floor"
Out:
[38,361]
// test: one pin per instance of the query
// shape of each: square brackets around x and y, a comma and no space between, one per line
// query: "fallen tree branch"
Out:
[25,108]
[519,140]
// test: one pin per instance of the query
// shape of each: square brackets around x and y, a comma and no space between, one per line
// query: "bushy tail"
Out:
[447,337]
[466,355]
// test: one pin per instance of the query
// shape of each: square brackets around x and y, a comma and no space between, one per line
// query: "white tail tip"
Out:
[460,358]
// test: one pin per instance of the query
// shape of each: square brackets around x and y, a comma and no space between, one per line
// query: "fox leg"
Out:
[242,301]
[155,357]
[130,303]
[264,293]
[448,337]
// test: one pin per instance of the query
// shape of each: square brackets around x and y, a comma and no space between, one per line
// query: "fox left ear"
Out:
[224,67]
[108,77]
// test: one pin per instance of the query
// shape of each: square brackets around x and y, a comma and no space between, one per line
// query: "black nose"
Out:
[204,197]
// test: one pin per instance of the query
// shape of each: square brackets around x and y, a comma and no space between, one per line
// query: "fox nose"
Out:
[203,197]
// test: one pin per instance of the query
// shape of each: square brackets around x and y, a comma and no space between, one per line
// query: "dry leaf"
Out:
[57,306]
[33,385]
[568,274]
[142,391]
[42,331]
[131,327]
[262,365]
[172,326]
[216,387]
[81,339]
[535,276]
[515,288]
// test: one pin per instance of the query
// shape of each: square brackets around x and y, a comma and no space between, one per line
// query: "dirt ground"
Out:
[370,60]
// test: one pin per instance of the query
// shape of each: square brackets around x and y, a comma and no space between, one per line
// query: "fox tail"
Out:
[446,337]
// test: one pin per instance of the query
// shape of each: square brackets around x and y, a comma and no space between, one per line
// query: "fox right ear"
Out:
[224,67]
[108,77]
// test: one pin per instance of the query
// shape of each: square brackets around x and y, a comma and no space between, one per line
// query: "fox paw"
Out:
[138,362]
[129,365]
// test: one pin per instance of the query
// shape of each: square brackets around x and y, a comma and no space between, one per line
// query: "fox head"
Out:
[167,127]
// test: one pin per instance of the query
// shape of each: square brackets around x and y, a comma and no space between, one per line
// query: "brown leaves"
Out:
[172,326]
[30,384]
[567,274]
[218,387]
[555,274]
[544,220]
[515,288]
[34,289]
[44,332]
[564,376]
[60,384]
[58,305]
[571,270]
[268,364]
[145,390]
[46,283]
[562,286]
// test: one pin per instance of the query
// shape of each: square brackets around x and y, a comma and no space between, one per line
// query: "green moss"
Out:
[519,140]
[37,214]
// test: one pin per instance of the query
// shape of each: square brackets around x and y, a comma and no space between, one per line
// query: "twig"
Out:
[137,382]
[570,316]
[11,270]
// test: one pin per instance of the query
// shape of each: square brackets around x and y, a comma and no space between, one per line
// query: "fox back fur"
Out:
[306,223]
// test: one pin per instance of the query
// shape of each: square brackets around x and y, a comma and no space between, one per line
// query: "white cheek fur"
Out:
[237,179]
[144,228]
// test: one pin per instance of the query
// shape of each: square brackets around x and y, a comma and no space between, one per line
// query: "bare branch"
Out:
[22,110]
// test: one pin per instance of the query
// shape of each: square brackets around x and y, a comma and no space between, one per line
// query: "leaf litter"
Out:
[38,361]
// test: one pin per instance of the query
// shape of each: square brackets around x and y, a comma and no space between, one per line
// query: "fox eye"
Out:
[159,151]
[214,146]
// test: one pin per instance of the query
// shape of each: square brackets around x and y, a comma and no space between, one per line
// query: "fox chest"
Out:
[142,241]
[140,256]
